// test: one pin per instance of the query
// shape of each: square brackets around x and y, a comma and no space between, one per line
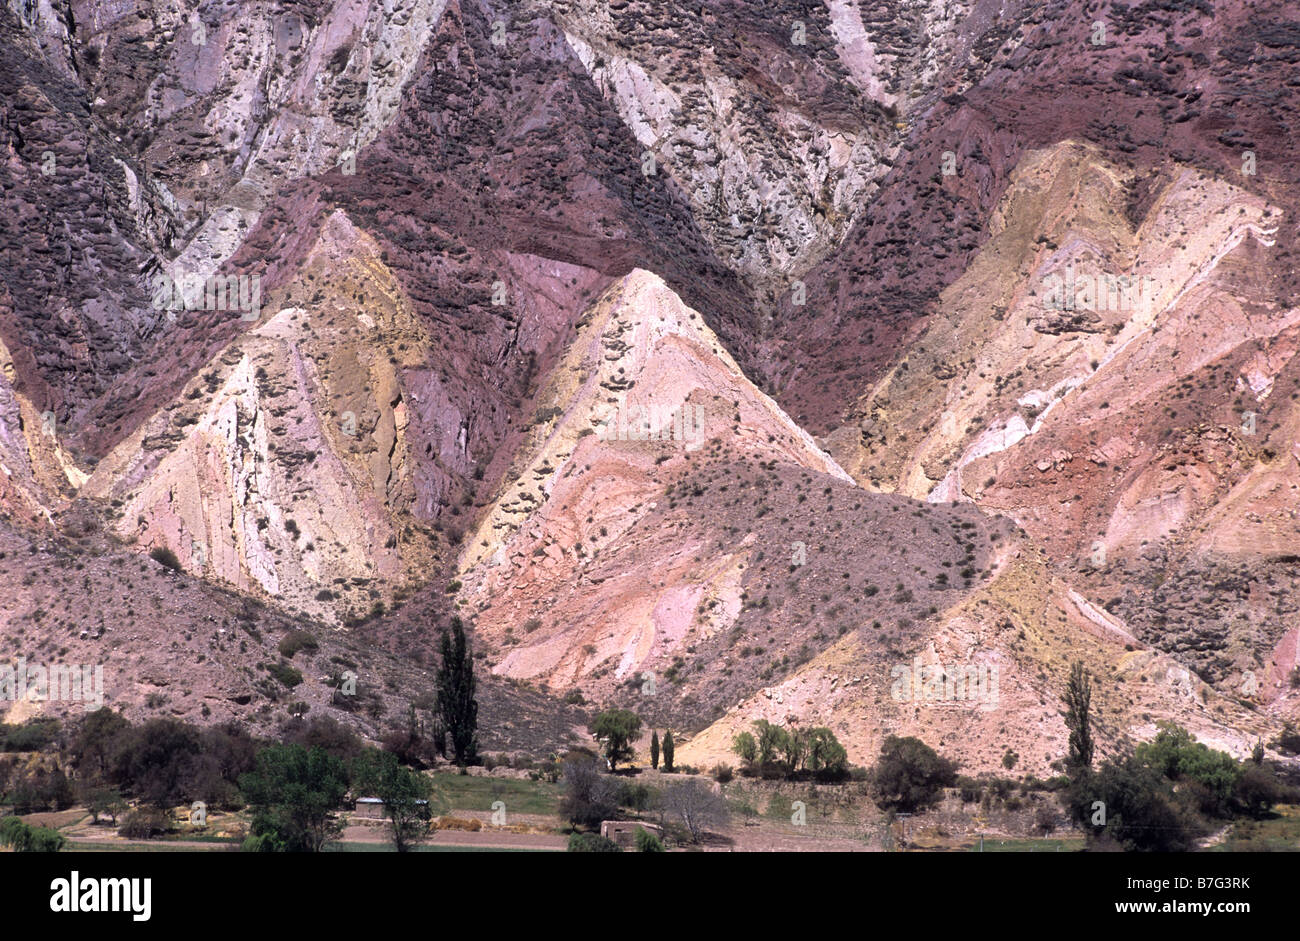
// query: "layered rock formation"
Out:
[720,360]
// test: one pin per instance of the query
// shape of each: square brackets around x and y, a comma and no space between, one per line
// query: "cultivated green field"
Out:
[468,792]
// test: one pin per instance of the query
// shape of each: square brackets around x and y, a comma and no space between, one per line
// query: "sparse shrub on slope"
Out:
[165,556]
[295,641]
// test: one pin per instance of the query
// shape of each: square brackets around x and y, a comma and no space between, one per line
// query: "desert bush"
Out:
[286,674]
[970,790]
[698,807]
[297,640]
[327,734]
[1288,741]
[633,796]
[1044,819]
[166,557]
[144,823]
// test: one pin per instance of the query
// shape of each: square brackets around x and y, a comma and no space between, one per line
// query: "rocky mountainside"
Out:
[719,360]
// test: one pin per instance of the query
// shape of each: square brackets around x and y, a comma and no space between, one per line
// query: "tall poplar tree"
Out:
[457,705]
[1078,706]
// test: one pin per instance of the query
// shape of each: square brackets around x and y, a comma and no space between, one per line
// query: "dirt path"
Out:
[485,838]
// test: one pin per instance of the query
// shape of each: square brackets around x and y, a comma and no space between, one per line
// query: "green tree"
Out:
[910,775]
[1177,755]
[105,800]
[654,750]
[615,729]
[668,751]
[1078,720]
[92,744]
[294,793]
[770,740]
[743,745]
[794,748]
[827,758]
[1129,802]
[457,706]
[155,760]
[405,794]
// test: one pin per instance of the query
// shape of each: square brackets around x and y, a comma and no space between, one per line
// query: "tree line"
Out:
[293,788]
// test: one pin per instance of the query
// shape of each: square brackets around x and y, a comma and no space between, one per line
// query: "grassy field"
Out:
[468,792]
[1279,833]
[1070,845]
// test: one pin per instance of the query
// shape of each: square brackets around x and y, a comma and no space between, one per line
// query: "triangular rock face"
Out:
[286,465]
[645,398]
[35,473]
[726,566]
[644,384]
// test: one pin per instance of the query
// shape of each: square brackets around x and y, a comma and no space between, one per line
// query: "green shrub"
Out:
[592,843]
[970,788]
[284,673]
[22,838]
[647,842]
[633,796]
[295,641]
